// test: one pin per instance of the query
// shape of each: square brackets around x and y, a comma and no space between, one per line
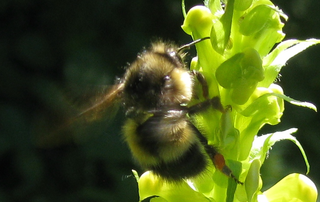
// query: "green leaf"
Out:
[286,50]
[242,5]
[296,102]
[275,60]
[252,184]
[256,19]
[220,32]
[262,144]
[232,185]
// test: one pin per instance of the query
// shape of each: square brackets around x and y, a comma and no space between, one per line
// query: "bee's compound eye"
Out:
[166,78]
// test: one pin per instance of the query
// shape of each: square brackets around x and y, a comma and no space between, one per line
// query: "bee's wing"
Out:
[59,127]
[106,101]
[93,104]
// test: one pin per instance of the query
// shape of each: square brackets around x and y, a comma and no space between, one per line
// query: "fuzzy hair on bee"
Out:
[156,91]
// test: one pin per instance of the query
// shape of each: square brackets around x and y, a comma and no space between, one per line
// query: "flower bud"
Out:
[198,22]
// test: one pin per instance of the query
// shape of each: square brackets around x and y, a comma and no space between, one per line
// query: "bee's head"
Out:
[157,78]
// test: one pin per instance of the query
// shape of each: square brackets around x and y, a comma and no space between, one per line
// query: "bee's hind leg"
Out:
[216,158]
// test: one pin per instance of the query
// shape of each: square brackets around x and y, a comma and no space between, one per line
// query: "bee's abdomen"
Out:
[167,145]
[190,164]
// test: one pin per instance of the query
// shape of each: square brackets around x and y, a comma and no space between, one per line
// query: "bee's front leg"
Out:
[202,80]
[202,106]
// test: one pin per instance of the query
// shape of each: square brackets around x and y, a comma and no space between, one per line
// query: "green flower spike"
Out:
[240,63]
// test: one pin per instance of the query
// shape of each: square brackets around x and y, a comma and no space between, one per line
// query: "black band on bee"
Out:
[193,160]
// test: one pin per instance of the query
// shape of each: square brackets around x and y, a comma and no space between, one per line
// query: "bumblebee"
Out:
[156,91]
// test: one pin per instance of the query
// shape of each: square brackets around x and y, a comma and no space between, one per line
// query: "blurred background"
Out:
[52,51]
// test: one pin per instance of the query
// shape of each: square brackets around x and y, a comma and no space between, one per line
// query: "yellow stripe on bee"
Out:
[184,84]
[138,153]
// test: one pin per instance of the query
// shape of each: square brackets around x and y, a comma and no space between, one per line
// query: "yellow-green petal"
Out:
[294,187]
[151,185]
[253,182]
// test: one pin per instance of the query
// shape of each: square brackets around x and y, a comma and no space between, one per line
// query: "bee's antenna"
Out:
[192,43]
